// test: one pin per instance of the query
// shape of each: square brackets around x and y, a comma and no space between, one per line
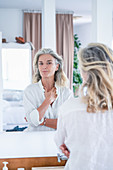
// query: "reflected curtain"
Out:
[32,30]
[65,42]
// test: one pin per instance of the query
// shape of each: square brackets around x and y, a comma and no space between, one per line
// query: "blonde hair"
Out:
[97,61]
[59,77]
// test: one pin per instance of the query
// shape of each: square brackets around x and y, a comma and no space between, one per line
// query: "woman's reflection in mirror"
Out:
[48,91]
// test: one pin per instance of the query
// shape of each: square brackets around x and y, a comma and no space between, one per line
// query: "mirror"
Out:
[11,28]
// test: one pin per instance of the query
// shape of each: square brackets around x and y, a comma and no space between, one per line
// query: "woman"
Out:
[43,98]
[85,124]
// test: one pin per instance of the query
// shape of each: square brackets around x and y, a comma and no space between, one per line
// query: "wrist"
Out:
[44,121]
[48,100]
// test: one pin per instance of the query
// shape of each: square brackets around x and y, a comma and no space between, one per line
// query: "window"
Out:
[16,66]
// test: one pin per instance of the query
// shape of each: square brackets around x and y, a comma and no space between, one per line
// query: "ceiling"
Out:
[79,7]
[74,5]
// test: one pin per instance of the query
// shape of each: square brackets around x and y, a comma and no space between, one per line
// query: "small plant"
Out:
[77,80]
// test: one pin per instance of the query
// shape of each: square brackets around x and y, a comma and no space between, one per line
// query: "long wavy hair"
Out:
[97,61]
[59,77]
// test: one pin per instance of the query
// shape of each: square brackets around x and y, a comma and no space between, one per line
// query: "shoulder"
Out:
[64,94]
[31,87]
[65,90]
[72,105]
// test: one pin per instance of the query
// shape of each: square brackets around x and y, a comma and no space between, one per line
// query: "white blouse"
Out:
[88,136]
[34,97]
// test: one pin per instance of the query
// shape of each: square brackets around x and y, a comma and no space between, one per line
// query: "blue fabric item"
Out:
[17,128]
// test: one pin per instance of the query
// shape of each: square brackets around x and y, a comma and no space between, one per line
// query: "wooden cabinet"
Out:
[28,163]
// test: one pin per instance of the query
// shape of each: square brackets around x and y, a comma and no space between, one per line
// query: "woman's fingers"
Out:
[51,95]
[45,89]
[54,92]
[53,89]
[65,150]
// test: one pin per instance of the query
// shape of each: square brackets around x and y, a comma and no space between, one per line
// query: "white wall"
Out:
[84,32]
[1,65]
[48,24]
[102,21]
[1,83]
[11,23]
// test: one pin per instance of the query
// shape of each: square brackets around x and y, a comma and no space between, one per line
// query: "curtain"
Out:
[65,42]
[32,30]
